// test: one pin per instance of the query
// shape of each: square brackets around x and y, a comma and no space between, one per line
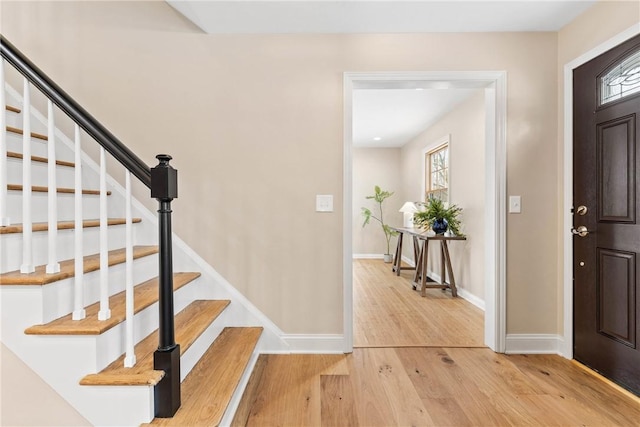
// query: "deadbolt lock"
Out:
[582,210]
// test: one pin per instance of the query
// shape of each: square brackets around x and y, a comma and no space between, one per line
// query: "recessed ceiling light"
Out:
[377,138]
[419,88]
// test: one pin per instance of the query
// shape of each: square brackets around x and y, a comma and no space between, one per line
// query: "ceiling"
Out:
[393,117]
[378,16]
[393,114]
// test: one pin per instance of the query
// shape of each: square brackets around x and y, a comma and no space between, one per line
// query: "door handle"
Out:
[580,231]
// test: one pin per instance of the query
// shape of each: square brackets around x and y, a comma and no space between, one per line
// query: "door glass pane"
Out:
[622,80]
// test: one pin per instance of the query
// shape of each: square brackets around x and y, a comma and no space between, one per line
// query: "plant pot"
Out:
[440,226]
[387,258]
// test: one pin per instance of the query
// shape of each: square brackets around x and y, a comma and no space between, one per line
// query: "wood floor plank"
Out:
[208,388]
[40,159]
[389,313]
[372,404]
[42,189]
[33,134]
[404,400]
[145,294]
[189,324]
[295,379]
[67,267]
[337,402]
[65,225]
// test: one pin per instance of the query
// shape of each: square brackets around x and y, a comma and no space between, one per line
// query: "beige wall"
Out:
[255,124]
[598,24]
[465,126]
[371,167]
[26,400]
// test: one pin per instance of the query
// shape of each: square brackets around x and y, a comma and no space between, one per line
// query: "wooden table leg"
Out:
[443,271]
[416,250]
[452,280]
[417,276]
[397,259]
[425,258]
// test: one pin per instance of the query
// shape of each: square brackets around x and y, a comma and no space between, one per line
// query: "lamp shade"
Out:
[408,210]
[408,207]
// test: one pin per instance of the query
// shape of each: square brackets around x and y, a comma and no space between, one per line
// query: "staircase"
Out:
[85,351]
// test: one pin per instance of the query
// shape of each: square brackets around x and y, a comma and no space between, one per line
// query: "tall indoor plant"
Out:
[380,196]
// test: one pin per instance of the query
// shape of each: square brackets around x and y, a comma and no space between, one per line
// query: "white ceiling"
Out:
[378,16]
[395,114]
[398,115]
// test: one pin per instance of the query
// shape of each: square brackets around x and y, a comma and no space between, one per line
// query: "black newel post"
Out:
[164,188]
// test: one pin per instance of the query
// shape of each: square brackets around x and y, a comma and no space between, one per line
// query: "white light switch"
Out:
[515,204]
[324,203]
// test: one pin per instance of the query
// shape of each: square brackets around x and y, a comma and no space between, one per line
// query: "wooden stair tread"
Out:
[12,109]
[40,189]
[40,159]
[145,294]
[189,324]
[67,268]
[33,134]
[65,225]
[208,388]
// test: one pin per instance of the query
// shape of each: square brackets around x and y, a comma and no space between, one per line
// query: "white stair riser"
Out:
[11,257]
[111,344]
[16,119]
[65,175]
[58,296]
[13,119]
[65,202]
[38,146]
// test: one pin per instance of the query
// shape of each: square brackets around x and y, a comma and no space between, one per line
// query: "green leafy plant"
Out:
[433,210]
[380,196]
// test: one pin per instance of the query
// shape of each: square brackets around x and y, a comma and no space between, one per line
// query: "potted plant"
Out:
[438,217]
[380,196]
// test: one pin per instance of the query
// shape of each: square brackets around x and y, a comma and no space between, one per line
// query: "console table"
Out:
[421,256]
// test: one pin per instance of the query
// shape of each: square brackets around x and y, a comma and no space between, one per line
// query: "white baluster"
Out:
[53,266]
[27,230]
[4,218]
[104,312]
[130,356]
[78,291]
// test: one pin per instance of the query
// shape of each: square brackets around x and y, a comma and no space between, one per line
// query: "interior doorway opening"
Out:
[493,84]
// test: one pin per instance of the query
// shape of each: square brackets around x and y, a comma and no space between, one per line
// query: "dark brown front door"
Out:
[606,202]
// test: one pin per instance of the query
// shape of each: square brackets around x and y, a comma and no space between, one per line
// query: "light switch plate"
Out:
[324,203]
[515,204]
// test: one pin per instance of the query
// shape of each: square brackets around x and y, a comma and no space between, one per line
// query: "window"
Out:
[621,80]
[437,173]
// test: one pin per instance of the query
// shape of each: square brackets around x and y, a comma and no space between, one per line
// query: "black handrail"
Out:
[78,114]
[162,180]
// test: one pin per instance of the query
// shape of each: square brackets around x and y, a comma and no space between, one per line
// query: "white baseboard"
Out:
[462,292]
[314,343]
[533,344]
[408,261]
[368,256]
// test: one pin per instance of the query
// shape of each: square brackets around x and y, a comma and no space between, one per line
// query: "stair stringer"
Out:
[137,404]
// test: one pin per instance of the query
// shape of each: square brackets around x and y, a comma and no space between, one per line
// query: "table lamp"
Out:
[408,210]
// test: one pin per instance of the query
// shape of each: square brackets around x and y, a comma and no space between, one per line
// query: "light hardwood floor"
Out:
[427,385]
[389,313]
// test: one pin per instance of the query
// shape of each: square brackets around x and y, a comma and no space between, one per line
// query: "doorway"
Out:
[494,86]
